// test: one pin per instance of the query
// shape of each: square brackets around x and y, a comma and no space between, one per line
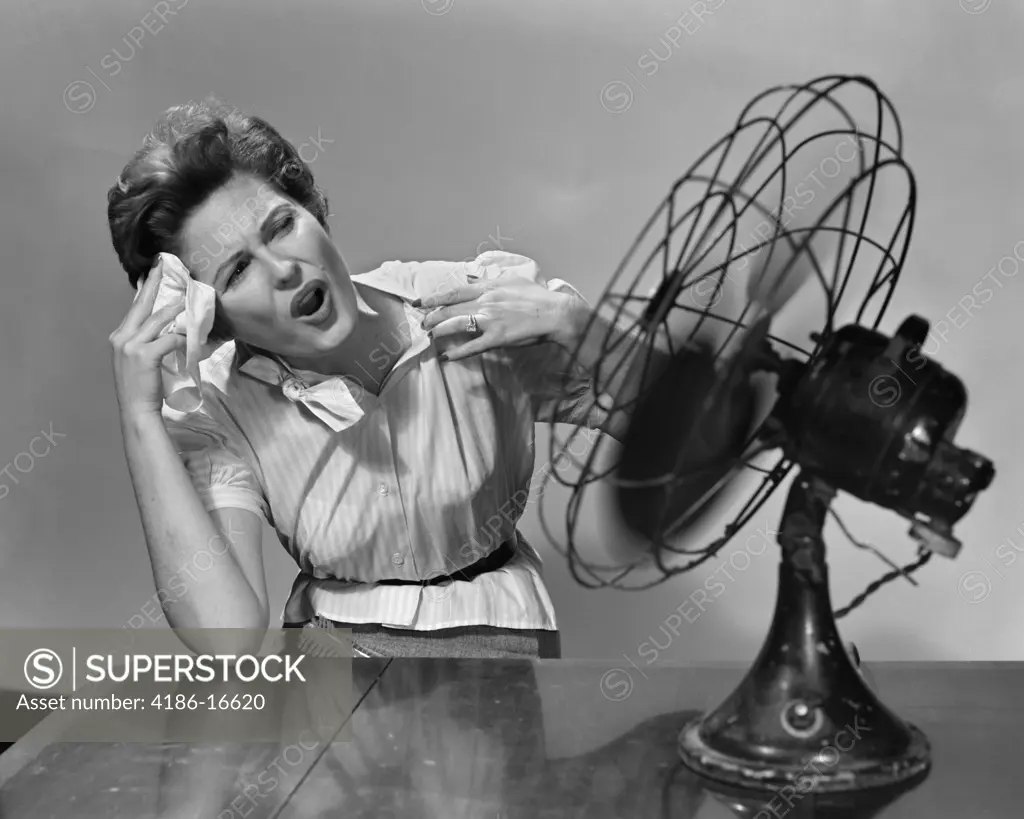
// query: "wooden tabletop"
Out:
[498,739]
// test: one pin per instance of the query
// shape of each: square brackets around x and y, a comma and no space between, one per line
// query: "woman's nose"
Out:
[284,271]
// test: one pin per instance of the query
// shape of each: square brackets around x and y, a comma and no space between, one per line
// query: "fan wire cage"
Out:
[732,241]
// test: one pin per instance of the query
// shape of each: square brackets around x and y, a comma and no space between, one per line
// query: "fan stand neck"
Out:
[803,720]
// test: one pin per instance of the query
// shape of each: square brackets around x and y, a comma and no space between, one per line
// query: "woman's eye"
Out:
[284,224]
[236,274]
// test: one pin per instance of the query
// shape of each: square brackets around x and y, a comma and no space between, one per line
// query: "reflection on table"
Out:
[502,739]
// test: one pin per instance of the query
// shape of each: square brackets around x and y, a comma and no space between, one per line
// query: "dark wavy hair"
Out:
[193,150]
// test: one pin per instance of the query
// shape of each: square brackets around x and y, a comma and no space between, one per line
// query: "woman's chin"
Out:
[333,331]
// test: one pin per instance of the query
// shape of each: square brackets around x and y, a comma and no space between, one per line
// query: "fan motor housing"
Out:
[875,417]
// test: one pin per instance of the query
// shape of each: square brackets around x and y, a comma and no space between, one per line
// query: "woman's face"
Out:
[281,283]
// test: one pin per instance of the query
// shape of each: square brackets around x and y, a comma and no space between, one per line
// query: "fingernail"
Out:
[442,356]
[417,302]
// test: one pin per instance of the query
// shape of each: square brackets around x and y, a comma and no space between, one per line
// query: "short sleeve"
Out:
[219,473]
[560,390]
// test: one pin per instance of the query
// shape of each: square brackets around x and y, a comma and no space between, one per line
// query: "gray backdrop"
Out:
[448,128]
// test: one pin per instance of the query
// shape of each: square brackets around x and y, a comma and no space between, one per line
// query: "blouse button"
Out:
[397,559]
[383,489]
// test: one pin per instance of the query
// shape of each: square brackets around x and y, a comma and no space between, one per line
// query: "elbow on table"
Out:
[226,635]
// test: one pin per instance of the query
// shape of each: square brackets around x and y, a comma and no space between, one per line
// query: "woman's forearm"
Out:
[177,528]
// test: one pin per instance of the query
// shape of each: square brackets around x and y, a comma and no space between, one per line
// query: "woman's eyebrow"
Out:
[228,263]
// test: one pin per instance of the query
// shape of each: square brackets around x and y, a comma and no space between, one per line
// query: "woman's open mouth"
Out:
[313,302]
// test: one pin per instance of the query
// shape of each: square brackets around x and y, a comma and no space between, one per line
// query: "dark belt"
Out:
[495,560]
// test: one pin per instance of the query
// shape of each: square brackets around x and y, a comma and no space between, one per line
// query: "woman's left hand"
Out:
[509,312]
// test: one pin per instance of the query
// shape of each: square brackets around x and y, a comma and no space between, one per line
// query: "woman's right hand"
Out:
[138,349]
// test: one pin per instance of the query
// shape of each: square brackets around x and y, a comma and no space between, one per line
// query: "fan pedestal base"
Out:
[748,804]
[804,720]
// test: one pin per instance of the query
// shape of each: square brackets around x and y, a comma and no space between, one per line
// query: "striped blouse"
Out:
[426,477]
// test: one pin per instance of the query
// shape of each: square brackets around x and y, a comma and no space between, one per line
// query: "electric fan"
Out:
[702,364]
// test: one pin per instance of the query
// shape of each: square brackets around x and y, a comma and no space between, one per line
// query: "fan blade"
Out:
[769,290]
[670,427]
[779,278]
[734,413]
[797,223]
[690,433]
[687,438]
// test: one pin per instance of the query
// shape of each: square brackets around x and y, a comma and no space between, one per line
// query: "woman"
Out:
[397,495]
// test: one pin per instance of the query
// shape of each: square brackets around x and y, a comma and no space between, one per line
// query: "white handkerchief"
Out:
[180,370]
